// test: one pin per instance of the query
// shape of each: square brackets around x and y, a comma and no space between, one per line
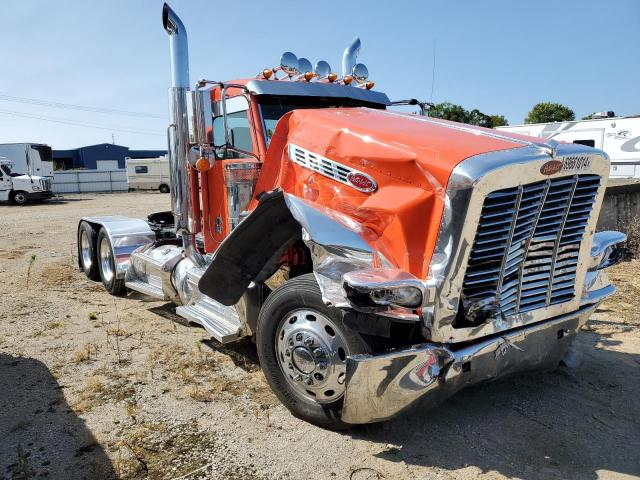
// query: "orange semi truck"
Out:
[376,258]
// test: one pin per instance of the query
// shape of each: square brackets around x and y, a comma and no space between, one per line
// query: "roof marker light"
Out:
[266,73]
[347,80]
[332,77]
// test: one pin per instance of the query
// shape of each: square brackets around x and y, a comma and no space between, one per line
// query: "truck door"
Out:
[231,181]
[5,183]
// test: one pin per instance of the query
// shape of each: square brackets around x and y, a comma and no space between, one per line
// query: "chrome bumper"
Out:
[381,386]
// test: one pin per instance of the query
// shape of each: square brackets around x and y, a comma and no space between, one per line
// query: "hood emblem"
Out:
[551,167]
[362,181]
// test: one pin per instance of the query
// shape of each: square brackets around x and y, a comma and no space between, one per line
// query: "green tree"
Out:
[457,113]
[449,111]
[549,112]
[498,121]
[588,117]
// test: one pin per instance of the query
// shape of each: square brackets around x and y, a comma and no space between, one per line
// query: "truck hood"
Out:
[24,182]
[398,144]
[410,159]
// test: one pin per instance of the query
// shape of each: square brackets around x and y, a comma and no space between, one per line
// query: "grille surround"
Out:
[469,183]
[526,248]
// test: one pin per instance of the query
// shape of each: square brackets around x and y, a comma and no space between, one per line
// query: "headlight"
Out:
[404,296]
[35,188]
[375,288]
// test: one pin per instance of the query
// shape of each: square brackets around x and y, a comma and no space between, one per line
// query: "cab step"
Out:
[220,321]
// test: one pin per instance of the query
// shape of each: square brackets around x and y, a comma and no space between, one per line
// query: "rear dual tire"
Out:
[107,265]
[87,238]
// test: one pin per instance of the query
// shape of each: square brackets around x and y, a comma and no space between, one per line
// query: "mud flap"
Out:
[252,248]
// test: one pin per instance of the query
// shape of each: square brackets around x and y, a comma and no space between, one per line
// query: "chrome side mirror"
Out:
[323,69]
[202,116]
[360,73]
[289,64]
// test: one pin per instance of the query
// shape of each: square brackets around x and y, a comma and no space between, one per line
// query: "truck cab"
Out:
[375,257]
[19,188]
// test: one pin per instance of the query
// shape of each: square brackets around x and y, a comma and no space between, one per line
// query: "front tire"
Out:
[107,266]
[19,198]
[87,239]
[164,188]
[302,345]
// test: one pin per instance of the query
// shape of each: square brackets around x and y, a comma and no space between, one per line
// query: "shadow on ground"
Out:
[568,424]
[40,435]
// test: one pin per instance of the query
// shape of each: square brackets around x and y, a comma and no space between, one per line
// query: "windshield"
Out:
[274,107]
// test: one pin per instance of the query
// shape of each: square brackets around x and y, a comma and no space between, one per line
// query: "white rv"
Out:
[34,159]
[619,137]
[148,174]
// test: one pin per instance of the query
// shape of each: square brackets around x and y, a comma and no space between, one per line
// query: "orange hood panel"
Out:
[411,159]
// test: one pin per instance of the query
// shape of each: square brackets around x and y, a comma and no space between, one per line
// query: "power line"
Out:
[84,108]
[66,121]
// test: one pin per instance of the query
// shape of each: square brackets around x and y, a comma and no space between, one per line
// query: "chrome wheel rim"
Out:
[106,260]
[312,355]
[20,198]
[85,249]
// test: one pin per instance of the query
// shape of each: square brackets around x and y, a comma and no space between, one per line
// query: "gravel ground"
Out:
[96,387]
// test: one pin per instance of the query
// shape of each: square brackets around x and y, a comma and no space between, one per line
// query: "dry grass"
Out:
[632,229]
[85,353]
[151,450]
[100,389]
[206,375]
[53,325]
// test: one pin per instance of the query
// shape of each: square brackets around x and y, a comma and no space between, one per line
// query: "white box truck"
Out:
[148,174]
[619,137]
[34,159]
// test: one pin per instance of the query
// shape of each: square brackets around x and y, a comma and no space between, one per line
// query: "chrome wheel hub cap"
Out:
[85,248]
[106,260]
[312,355]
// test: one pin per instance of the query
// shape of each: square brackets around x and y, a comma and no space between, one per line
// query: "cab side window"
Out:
[238,127]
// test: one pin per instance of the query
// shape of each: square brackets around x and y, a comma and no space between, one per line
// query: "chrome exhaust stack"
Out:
[178,134]
[350,56]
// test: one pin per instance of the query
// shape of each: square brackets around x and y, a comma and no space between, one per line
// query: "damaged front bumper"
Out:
[381,386]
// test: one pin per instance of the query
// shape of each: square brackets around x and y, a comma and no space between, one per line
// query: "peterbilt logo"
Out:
[361,181]
[551,167]
[576,162]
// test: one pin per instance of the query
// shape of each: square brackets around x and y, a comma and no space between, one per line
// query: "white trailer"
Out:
[32,159]
[618,137]
[148,174]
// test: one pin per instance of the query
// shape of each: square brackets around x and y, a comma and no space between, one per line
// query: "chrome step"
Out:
[147,289]
[220,321]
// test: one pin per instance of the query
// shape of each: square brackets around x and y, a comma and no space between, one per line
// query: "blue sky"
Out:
[499,56]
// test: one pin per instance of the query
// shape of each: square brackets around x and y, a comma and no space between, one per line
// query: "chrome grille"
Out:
[525,252]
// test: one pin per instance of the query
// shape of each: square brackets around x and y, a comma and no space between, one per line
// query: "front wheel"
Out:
[107,266]
[303,345]
[19,198]
[164,188]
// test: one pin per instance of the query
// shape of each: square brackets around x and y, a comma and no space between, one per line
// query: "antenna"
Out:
[433,71]
[113,138]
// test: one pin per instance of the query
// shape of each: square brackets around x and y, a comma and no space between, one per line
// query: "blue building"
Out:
[103,155]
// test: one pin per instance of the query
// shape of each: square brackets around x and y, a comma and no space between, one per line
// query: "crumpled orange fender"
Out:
[410,161]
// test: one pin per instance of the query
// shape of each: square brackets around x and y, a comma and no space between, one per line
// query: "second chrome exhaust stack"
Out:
[350,56]
[178,133]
